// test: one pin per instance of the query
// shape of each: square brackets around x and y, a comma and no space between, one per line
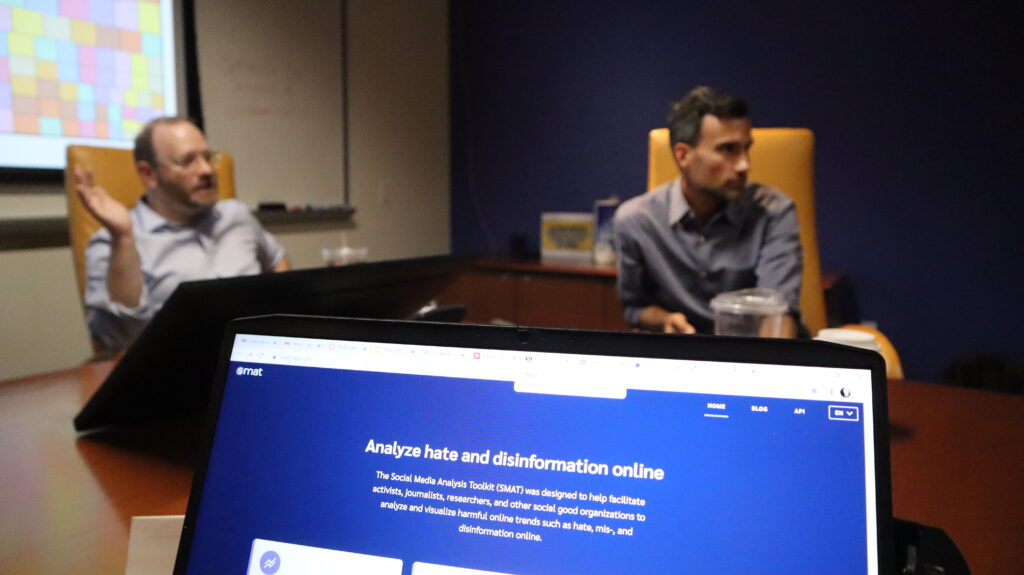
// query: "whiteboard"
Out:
[271,86]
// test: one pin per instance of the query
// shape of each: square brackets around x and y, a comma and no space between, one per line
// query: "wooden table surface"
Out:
[66,501]
[958,464]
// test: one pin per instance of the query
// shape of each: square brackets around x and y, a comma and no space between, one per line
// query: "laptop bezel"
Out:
[148,383]
[590,342]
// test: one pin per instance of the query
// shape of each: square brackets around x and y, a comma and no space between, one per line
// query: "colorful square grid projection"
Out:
[80,68]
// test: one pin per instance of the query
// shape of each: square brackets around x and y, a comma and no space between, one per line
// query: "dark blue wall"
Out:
[916,111]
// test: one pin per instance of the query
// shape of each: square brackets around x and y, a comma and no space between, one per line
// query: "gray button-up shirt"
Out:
[227,242]
[666,257]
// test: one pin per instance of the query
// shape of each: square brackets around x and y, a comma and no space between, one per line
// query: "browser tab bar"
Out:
[563,374]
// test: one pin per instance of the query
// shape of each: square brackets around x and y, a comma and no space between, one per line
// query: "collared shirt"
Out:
[667,257]
[227,242]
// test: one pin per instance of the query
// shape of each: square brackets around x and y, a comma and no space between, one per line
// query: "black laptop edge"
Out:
[183,335]
[714,348]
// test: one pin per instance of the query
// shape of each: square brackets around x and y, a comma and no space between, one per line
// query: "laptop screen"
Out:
[376,455]
[152,382]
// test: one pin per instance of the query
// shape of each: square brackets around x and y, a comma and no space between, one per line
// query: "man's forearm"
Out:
[651,318]
[657,318]
[124,276]
[788,326]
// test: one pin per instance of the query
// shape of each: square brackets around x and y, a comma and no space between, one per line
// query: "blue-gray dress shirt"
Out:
[666,257]
[227,242]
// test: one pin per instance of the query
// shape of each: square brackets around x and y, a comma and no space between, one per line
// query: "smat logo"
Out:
[257,371]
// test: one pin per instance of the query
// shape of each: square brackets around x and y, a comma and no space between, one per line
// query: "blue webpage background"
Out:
[759,492]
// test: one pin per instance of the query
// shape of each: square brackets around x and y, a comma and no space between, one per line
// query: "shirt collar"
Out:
[153,222]
[678,207]
[735,212]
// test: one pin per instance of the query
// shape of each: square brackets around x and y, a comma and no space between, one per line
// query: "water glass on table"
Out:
[753,312]
[344,255]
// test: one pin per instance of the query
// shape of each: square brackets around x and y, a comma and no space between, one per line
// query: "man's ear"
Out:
[147,173]
[682,152]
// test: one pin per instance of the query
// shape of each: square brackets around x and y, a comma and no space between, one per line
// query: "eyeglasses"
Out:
[191,161]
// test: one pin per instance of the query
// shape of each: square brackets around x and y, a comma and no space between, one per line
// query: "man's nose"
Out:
[743,162]
[204,166]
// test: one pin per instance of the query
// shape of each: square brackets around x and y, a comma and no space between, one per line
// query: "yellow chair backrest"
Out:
[783,158]
[114,170]
[893,365]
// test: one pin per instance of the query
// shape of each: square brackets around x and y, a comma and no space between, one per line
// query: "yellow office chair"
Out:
[893,366]
[784,158]
[114,170]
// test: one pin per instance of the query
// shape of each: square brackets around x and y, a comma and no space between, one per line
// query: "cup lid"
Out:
[758,301]
[852,337]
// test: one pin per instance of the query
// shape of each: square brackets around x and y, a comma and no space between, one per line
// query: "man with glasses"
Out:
[177,232]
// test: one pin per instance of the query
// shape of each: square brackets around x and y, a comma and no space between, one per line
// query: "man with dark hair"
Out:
[709,231]
[178,231]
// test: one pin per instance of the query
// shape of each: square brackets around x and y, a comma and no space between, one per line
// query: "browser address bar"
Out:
[595,382]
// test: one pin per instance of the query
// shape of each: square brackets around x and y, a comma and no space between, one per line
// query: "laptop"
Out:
[166,372]
[398,448]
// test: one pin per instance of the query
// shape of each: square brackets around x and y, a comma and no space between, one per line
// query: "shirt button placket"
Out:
[206,247]
[704,253]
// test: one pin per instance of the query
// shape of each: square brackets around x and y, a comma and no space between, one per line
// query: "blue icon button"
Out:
[270,563]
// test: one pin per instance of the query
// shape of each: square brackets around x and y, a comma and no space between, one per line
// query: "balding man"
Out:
[177,232]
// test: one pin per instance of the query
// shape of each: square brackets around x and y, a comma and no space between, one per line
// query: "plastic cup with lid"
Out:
[853,337]
[344,255]
[752,312]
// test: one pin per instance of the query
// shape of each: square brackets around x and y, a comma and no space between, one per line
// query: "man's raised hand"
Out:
[111,213]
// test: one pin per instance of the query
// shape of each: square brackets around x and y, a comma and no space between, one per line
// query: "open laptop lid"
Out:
[354,446]
[167,371]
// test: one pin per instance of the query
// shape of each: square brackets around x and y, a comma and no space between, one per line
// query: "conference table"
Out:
[66,501]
